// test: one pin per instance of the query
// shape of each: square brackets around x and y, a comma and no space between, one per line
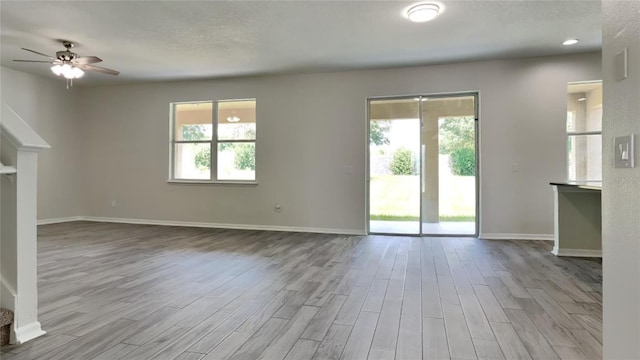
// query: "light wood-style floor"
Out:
[114,291]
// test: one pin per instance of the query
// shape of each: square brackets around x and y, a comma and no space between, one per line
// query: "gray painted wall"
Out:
[51,111]
[621,187]
[309,128]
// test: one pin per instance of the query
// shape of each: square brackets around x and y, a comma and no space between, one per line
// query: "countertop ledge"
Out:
[589,185]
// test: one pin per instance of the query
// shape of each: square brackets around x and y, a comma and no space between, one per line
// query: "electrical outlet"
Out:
[277,208]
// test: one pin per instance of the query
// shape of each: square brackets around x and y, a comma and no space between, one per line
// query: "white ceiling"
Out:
[154,40]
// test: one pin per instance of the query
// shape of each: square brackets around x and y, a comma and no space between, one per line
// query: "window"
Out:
[584,131]
[213,141]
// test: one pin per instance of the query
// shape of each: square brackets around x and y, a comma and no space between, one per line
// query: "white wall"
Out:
[311,126]
[51,111]
[621,195]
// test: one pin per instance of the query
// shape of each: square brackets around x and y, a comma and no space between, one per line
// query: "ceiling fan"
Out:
[69,65]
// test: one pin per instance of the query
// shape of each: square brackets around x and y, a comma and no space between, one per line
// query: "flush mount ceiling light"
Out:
[422,12]
[233,119]
[570,42]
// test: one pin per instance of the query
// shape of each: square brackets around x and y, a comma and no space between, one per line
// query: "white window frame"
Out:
[213,144]
[571,134]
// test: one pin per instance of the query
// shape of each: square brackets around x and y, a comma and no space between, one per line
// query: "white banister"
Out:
[18,234]
[4,169]
[19,133]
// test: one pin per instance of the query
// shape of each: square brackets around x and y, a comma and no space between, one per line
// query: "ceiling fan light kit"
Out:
[67,71]
[69,65]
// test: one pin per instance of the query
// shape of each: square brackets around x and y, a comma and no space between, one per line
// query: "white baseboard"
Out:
[59,220]
[503,236]
[576,252]
[215,225]
[22,334]
[25,333]
[487,236]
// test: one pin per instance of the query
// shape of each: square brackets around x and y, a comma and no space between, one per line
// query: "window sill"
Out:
[210,182]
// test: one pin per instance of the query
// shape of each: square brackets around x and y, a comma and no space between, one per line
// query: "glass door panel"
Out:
[394,166]
[449,165]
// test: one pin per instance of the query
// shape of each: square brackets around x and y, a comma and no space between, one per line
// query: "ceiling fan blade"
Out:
[39,53]
[83,60]
[35,61]
[97,69]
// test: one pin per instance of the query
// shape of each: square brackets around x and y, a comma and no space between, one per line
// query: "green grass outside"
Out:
[460,218]
[397,198]
[384,217]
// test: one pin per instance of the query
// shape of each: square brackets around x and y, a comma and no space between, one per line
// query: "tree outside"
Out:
[457,139]
[394,180]
[203,159]
[403,162]
[244,155]
[194,132]
[378,131]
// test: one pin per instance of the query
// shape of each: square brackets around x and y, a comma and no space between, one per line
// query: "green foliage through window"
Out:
[463,162]
[403,162]
[203,159]
[193,132]
[245,157]
[378,132]
[457,138]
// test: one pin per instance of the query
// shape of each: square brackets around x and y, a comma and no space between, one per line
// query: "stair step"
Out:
[6,318]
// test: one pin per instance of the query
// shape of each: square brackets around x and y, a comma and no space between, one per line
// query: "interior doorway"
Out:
[423,165]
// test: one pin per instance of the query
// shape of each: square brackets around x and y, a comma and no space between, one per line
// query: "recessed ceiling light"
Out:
[570,42]
[582,99]
[422,12]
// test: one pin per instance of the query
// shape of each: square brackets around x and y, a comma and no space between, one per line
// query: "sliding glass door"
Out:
[394,166]
[423,165]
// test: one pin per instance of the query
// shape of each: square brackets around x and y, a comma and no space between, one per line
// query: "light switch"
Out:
[624,151]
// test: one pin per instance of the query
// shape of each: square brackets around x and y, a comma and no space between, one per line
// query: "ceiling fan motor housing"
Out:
[66,55]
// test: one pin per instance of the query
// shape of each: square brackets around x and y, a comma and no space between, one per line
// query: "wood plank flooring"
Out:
[116,291]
